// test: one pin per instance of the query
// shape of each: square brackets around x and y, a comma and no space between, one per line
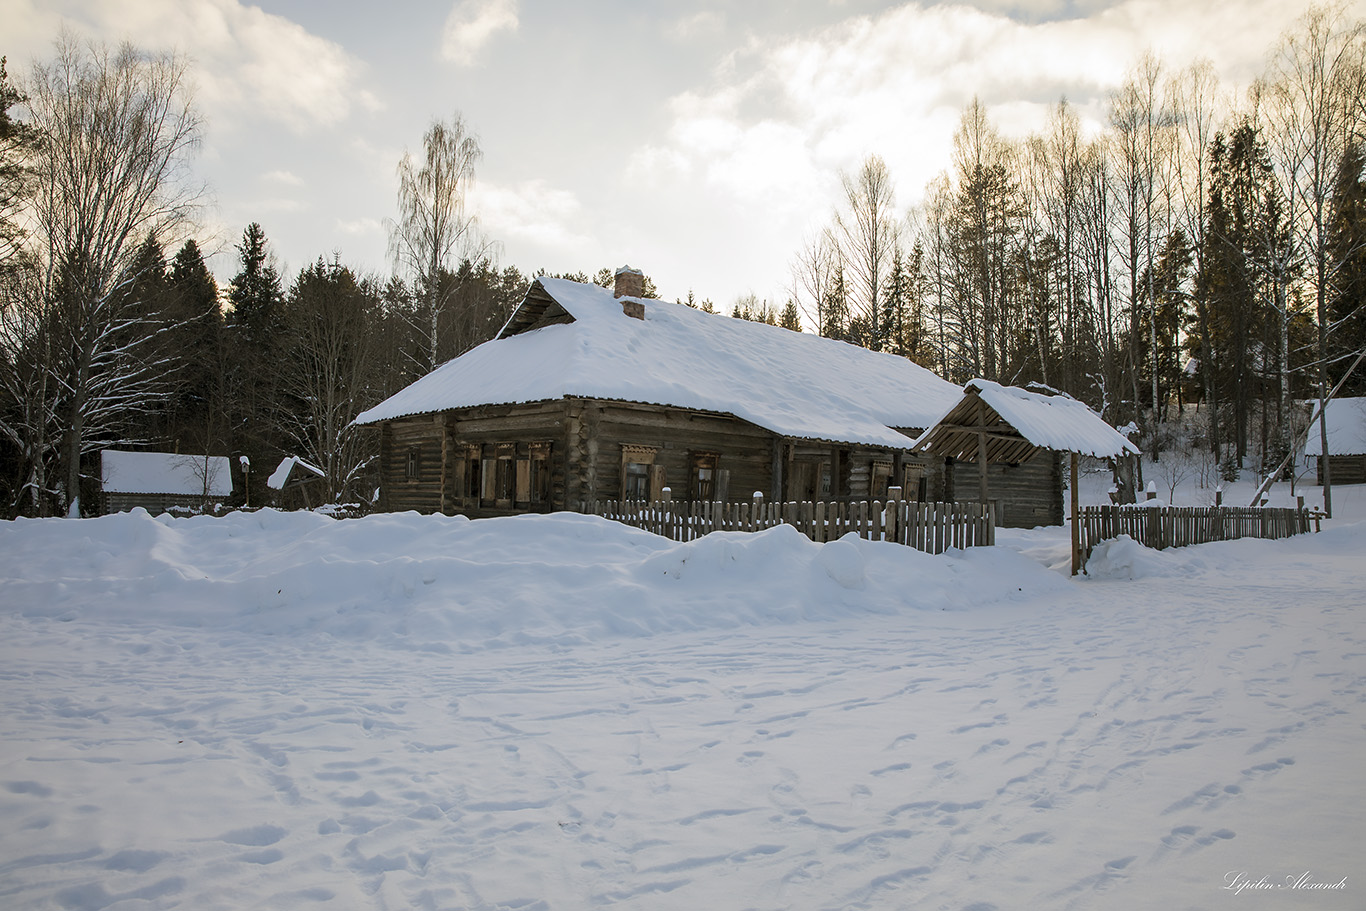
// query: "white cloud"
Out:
[29,28]
[754,156]
[784,117]
[244,61]
[277,204]
[472,24]
[530,212]
[286,178]
[704,24]
[361,227]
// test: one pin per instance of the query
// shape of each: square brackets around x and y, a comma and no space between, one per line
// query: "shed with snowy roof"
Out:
[1004,428]
[1346,425]
[298,484]
[162,481]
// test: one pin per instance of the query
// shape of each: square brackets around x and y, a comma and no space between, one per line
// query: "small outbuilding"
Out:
[162,481]
[1346,422]
[298,484]
[995,425]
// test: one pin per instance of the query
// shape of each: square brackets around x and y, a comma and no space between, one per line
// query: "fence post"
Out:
[891,517]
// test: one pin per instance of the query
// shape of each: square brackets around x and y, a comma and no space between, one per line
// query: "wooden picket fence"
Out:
[1160,527]
[929,527]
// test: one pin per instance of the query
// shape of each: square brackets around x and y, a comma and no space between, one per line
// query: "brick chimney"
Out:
[629,283]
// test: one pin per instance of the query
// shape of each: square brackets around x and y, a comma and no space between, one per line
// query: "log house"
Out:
[589,394]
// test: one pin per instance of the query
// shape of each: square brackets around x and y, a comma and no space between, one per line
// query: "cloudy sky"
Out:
[699,140]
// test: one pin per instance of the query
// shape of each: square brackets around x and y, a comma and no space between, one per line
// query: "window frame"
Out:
[644,457]
[700,489]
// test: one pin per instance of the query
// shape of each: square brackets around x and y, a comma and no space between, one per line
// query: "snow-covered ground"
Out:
[286,711]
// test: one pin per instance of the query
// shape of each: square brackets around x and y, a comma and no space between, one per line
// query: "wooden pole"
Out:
[445,460]
[1076,518]
[982,451]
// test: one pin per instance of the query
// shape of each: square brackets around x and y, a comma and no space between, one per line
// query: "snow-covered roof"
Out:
[165,473]
[1346,419]
[1044,421]
[280,475]
[573,340]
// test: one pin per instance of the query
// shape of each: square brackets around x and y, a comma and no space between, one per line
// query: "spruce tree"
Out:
[255,326]
[16,139]
[197,333]
[1347,308]
[256,293]
[891,328]
[836,310]
[143,304]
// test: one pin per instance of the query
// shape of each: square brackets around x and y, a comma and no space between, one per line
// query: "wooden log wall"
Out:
[1347,469]
[1026,495]
[745,452]
[421,436]
[925,526]
[515,429]
[588,436]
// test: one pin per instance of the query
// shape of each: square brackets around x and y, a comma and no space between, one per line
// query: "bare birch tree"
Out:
[812,271]
[115,133]
[866,228]
[434,227]
[1316,86]
[1137,118]
[1197,89]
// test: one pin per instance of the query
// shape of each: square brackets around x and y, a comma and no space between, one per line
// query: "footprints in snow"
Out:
[1214,794]
[1185,839]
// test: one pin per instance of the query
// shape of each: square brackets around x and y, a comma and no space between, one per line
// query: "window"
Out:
[503,487]
[637,469]
[827,486]
[539,482]
[533,475]
[488,476]
[523,481]
[496,475]
[467,481]
[411,470]
[636,481]
[704,476]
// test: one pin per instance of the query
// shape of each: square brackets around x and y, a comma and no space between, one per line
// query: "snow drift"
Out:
[449,583]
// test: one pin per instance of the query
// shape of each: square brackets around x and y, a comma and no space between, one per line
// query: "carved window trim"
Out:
[638,483]
[702,475]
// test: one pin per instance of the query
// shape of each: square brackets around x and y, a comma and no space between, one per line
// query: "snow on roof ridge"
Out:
[793,384]
[1057,422]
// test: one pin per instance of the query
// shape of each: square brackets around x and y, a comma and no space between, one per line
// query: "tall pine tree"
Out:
[255,325]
